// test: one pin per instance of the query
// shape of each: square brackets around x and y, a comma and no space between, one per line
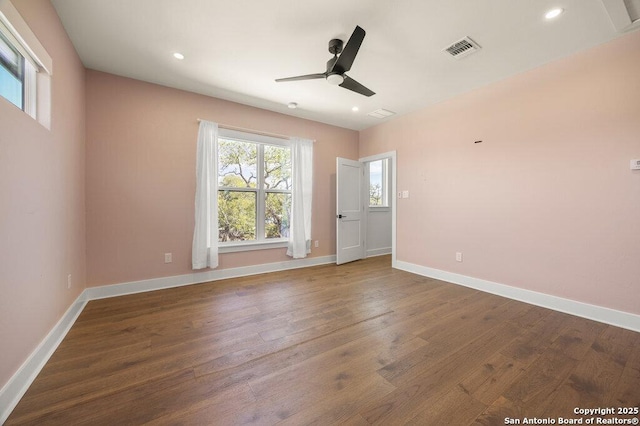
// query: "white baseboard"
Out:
[378,252]
[12,392]
[94,293]
[15,388]
[580,309]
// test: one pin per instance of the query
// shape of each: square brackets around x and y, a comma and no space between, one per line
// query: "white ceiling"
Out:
[235,49]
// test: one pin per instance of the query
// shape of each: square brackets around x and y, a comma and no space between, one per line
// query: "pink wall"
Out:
[547,201]
[42,202]
[141,141]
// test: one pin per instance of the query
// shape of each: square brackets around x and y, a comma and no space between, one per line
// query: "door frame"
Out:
[392,156]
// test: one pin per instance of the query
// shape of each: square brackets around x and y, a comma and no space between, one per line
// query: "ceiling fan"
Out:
[339,65]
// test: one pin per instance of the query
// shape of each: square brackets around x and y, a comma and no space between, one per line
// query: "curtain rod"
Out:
[256,132]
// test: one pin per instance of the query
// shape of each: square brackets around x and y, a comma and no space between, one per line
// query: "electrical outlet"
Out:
[459,257]
[68,281]
[405,194]
[316,244]
[168,258]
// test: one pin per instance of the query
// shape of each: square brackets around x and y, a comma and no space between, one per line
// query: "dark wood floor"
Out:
[354,344]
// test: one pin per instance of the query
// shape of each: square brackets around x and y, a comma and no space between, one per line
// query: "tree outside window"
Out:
[254,197]
[377,183]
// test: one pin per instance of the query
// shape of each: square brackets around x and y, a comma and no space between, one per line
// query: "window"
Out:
[25,66]
[254,188]
[378,183]
[11,73]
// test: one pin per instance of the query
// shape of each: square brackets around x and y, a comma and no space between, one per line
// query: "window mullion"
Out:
[261,195]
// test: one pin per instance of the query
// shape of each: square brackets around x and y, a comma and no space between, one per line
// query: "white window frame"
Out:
[37,64]
[385,184]
[260,243]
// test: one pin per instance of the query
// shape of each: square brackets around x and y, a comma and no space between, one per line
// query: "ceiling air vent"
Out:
[462,48]
[381,113]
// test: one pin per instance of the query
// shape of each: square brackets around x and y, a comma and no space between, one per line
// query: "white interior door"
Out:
[350,209]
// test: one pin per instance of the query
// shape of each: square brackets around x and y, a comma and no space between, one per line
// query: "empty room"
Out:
[319,212]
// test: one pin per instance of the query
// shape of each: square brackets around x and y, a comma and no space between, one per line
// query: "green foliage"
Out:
[237,164]
[277,167]
[375,194]
[277,211]
[237,209]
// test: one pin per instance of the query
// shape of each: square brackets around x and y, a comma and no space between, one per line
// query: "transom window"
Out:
[11,73]
[254,190]
[25,67]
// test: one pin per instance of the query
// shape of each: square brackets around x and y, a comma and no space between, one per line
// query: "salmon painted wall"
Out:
[547,201]
[42,202]
[141,149]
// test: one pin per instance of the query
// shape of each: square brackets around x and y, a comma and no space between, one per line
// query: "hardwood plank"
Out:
[455,407]
[544,376]
[490,380]
[497,413]
[595,380]
[428,381]
[355,344]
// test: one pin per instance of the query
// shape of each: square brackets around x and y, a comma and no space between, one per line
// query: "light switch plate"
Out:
[635,164]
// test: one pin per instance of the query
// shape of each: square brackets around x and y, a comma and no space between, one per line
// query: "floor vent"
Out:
[462,48]
[381,113]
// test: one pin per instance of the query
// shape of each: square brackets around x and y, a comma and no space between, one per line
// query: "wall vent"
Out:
[381,113]
[462,48]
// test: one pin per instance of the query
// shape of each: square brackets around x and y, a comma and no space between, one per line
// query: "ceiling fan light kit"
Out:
[339,65]
[335,79]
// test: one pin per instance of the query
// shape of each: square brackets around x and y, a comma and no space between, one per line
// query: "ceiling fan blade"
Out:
[302,77]
[346,58]
[354,86]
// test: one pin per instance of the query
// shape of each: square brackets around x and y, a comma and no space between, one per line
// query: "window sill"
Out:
[250,246]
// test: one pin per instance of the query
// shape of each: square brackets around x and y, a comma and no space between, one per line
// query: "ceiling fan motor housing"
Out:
[335,46]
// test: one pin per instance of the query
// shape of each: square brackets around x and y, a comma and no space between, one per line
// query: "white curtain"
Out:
[302,194]
[205,235]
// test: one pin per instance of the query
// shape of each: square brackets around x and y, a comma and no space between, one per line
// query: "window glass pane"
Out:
[277,167]
[375,183]
[236,215]
[277,213]
[11,73]
[10,87]
[237,164]
[10,57]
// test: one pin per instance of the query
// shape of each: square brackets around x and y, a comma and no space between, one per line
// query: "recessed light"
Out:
[553,13]
[178,55]
[292,105]
[355,109]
